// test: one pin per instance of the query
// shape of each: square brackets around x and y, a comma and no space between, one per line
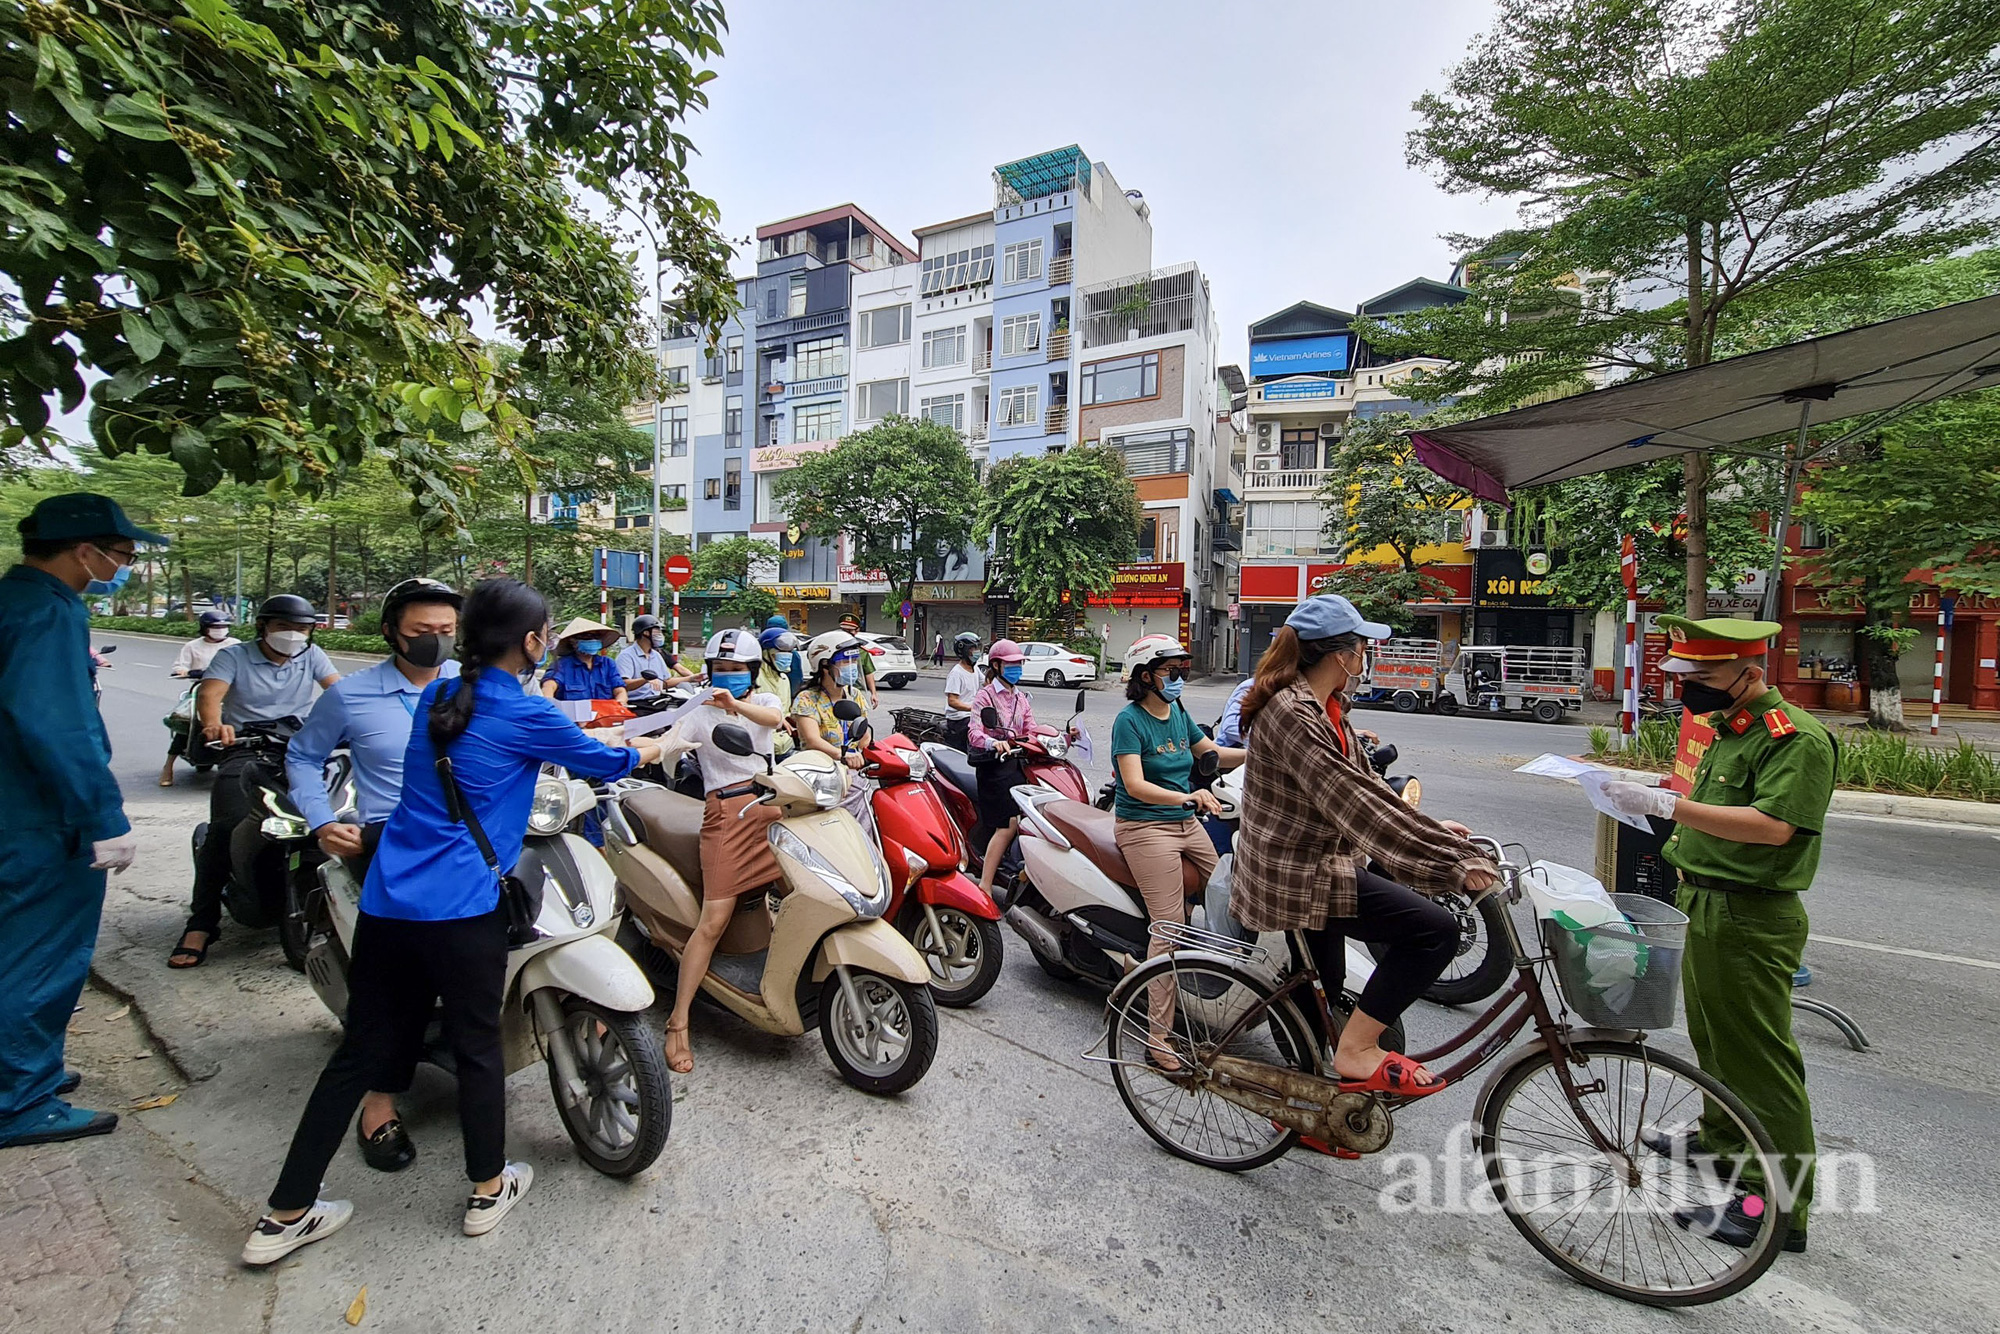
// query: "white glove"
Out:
[1637,799]
[114,854]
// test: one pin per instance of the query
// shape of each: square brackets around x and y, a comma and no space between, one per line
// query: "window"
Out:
[732,486]
[771,302]
[1149,537]
[733,355]
[820,358]
[711,488]
[1154,453]
[885,327]
[1020,405]
[678,491]
[944,347]
[1811,536]
[797,305]
[711,366]
[961,268]
[1284,528]
[1020,334]
[1121,379]
[732,423]
[677,432]
[1024,261]
[949,410]
[777,430]
[815,421]
[677,379]
[879,398]
[1299,450]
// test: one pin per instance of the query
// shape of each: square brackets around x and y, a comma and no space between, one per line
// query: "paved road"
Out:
[1010,1188]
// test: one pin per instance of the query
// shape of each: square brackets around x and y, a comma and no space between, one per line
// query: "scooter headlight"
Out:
[1057,746]
[827,784]
[920,763]
[866,905]
[550,811]
[1413,793]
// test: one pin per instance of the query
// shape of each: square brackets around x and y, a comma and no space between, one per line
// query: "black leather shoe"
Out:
[70,1080]
[388,1149]
[1732,1225]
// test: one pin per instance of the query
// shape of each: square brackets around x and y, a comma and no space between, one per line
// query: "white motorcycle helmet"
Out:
[822,648]
[1150,649]
[734,646]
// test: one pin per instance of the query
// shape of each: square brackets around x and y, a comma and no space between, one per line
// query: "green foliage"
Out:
[1869,761]
[750,606]
[1060,523]
[333,641]
[732,559]
[1378,493]
[1384,592]
[266,228]
[903,492]
[1600,739]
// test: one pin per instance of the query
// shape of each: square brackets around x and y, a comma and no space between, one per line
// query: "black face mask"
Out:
[427,651]
[1701,698]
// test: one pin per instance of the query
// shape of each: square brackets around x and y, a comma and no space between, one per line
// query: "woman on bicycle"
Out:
[1154,744]
[1313,816]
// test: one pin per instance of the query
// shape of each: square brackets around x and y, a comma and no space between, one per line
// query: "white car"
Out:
[895,665]
[1054,665]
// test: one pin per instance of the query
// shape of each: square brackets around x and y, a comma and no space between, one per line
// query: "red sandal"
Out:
[1398,1075]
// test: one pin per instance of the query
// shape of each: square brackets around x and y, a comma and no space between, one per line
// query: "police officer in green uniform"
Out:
[65,823]
[1747,845]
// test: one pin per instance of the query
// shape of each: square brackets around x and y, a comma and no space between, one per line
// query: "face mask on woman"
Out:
[1011,673]
[782,661]
[847,674]
[736,683]
[215,634]
[589,647]
[1170,689]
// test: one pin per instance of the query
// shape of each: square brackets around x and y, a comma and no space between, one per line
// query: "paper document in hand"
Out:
[1593,781]
[1555,766]
[1082,744]
[648,723]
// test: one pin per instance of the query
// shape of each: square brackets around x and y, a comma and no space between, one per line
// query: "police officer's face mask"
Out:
[1703,698]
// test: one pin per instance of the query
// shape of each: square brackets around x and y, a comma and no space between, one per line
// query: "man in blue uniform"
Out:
[65,824]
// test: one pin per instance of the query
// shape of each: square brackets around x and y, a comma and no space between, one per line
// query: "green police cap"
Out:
[1693,644]
[82,515]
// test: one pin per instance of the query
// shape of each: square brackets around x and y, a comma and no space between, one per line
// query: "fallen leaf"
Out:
[358,1307]
[154,1104]
[142,1056]
[117,1014]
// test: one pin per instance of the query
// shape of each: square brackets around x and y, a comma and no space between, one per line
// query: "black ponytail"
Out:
[498,615]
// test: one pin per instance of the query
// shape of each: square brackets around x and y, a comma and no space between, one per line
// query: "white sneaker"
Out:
[484,1212]
[271,1240]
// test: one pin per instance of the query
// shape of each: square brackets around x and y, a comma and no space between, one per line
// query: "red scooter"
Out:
[1045,760]
[954,926]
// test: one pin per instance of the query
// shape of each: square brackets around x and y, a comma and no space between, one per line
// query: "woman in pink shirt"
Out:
[994,752]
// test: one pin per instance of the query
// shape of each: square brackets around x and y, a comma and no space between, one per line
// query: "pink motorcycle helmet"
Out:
[1005,650]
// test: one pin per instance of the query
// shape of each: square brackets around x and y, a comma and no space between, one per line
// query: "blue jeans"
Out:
[50,900]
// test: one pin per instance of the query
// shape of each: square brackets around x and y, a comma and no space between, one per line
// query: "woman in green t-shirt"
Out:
[1154,744]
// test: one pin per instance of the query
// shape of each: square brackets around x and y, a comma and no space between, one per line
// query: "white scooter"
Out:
[574,998]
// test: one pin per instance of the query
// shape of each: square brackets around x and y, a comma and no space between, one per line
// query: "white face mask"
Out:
[216,633]
[287,643]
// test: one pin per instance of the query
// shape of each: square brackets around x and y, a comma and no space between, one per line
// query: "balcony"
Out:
[976,433]
[825,384]
[982,363]
[1059,345]
[1225,537]
[1062,269]
[1056,420]
[1286,479]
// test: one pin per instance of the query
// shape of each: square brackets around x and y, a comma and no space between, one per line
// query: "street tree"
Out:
[1681,162]
[1379,494]
[1384,592]
[1059,523]
[903,492]
[267,229]
[1920,497]
[734,560]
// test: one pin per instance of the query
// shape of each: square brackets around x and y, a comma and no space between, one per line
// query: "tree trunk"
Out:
[1879,657]
[332,566]
[361,550]
[528,537]
[1694,470]
[187,586]
[270,548]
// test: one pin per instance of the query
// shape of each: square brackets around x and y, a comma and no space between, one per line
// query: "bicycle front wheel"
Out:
[1608,1219]
[1157,1072]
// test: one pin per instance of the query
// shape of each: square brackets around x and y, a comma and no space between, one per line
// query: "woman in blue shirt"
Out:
[582,669]
[432,930]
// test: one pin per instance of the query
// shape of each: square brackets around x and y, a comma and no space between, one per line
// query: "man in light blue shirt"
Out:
[643,655]
[1229,732]
[371,713]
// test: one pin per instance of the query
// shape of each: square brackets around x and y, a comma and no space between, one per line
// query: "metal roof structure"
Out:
[1044,173]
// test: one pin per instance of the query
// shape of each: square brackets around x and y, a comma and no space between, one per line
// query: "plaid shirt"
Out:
[1313,816]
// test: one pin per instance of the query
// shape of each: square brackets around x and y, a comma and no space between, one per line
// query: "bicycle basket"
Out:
[1624,973]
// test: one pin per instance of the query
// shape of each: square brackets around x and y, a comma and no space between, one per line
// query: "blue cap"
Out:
[770,636]
[777,623]
[84,515]
[1331,614]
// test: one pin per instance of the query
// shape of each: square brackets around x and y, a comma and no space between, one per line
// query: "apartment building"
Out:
[719,413]
[882,302]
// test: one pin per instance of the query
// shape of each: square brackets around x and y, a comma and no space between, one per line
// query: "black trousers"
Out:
[1422,939]
[228,805]
[400,971]
[958,733]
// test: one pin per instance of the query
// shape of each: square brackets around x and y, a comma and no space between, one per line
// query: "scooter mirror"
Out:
[989,718]
[733,739]
[1383,757]
[1207,764]
[1080,701]
[1207,730]
[108,648]
[847,711]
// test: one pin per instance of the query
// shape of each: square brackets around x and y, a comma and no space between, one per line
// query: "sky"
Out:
[1267,135]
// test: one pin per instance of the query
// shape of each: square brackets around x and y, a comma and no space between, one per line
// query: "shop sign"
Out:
[854,579]
[1845,600]
[1159,585]
[799,592]
[1505,577]
[1295,389]
[963,590]
[1268,583]
[775,458]
[1318,355]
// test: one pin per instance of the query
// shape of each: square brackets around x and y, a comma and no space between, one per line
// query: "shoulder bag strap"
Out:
[461,810]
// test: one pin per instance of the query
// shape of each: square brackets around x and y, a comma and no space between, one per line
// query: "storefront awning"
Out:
[1866,374]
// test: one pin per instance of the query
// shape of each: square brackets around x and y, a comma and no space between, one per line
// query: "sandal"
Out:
[681,1062]
[195,956]
[1397,1074]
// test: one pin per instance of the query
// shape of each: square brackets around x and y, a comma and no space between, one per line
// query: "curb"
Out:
[191,1069]
[1928,810]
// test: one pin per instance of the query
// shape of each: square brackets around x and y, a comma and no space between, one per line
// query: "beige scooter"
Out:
[815,950]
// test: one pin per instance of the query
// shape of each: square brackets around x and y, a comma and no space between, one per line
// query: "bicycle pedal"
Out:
[1330,1150]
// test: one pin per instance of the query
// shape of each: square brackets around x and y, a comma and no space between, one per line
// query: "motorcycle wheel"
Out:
[960,986]
[628,1103]
[889,1047]
[1481,966]
[295,933]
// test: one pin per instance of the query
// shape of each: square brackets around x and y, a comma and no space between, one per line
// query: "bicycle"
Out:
[1557,1125]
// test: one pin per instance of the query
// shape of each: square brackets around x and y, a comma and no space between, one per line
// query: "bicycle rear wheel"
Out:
[1189,1121]
[1608,1219]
